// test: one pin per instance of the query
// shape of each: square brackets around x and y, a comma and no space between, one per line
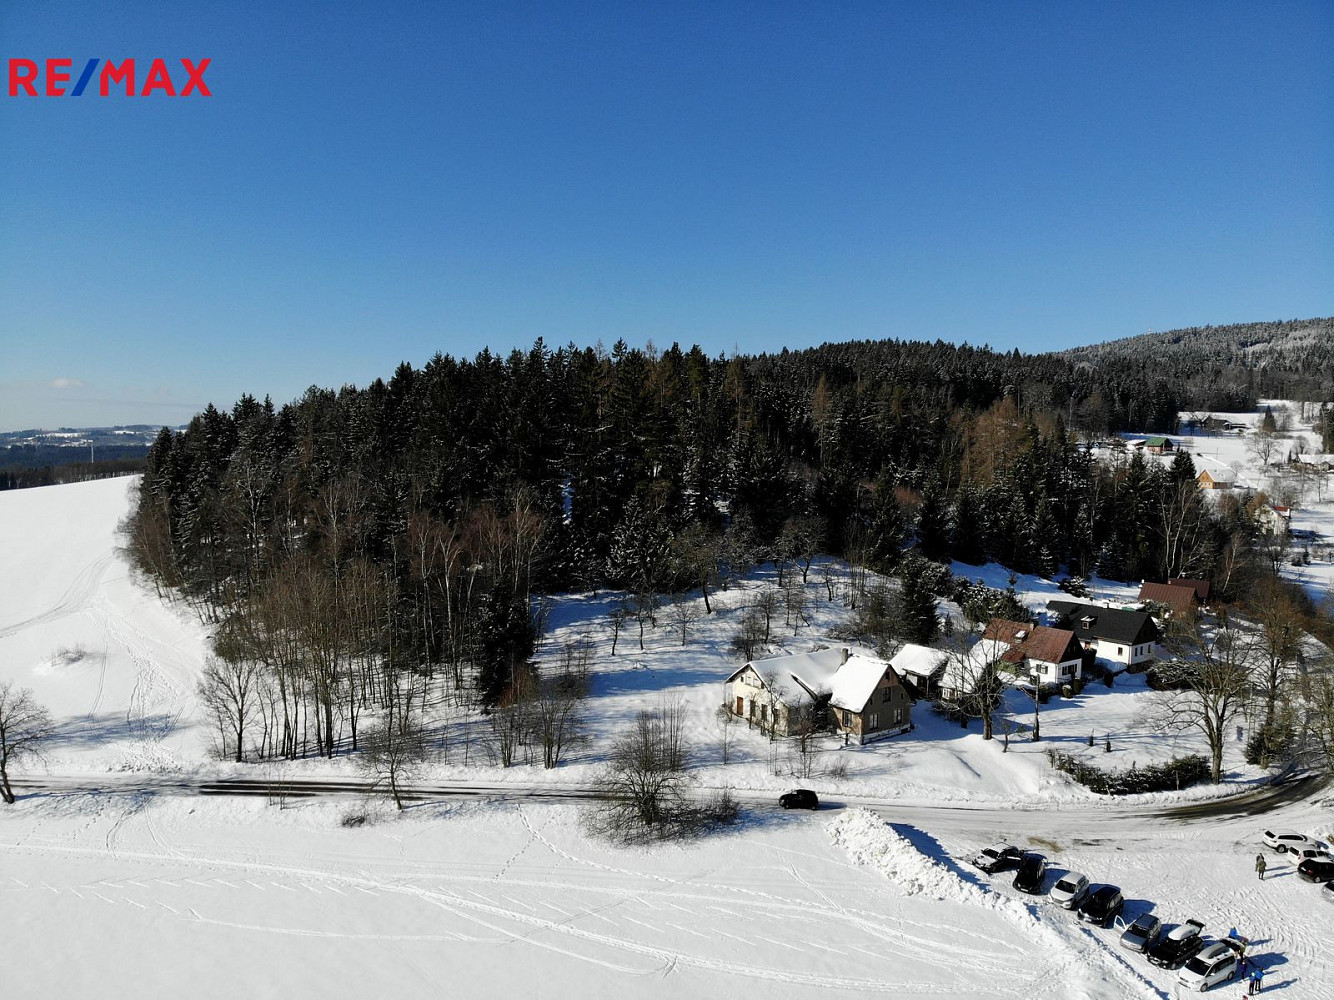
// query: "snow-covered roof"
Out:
[920,661]
[853,684]
[963,673]
[848,674]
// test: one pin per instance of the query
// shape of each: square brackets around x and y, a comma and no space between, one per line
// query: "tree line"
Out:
[355,543]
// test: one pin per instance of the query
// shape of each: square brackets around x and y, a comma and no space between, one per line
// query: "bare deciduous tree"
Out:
[684,614]
[229,690]
[1217,661]
[394,749]
[24,724]
[1279,616]
[644,784]
[766,605]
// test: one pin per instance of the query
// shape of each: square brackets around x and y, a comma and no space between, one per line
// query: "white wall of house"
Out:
[747,697]
[1120,652]
[1056,673]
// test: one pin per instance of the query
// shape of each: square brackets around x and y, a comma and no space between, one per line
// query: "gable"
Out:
[1130,628]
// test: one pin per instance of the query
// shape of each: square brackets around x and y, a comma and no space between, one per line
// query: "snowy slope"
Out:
[115,665]
[489,899]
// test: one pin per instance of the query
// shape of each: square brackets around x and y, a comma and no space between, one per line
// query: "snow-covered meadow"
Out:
[136,891]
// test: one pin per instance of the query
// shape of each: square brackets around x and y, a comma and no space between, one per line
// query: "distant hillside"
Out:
[44,457]
[1290,359]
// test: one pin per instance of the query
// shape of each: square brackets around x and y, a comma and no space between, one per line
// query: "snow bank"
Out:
[872,843]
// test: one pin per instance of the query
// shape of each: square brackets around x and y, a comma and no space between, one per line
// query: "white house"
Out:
[1125,637]
[1274,519]
[862,693]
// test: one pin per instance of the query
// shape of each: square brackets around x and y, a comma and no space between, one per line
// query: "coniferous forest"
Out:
[412,521]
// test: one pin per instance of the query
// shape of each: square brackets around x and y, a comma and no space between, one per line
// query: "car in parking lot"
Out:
[1284,841]
[1143,933]
[1178,945]
[799,798]
[998,856]
[1101,906]
[1069,890]
[1215,963]
[1327,893]
[1032,871]
[1303,853]
[1316,869]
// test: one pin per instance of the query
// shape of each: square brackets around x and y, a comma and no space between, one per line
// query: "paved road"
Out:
[1109,815]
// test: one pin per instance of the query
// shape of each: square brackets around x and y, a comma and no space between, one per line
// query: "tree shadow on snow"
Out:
[84,731]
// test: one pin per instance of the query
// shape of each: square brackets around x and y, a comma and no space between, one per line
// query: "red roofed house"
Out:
[1182,596]
[1049,655]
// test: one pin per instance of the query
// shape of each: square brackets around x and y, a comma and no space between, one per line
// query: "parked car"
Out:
[1032,870]
[1143,933]
[1316,870]
[800,798]
[1070,889]
[1286,840]
[1101,906]
[1328,892]
[1321,853]
[1178,945]
[998,856]
[1216,963]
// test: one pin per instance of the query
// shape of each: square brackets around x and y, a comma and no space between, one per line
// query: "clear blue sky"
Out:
[373,182]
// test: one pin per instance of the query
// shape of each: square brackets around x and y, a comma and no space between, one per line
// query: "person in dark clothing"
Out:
[1260,866]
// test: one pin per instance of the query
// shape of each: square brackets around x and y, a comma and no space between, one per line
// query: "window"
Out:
[847,718]
[885,695]
[873,721]
[898,716]
[1118,650]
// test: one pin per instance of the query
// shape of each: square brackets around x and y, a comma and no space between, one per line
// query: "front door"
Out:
[740,705]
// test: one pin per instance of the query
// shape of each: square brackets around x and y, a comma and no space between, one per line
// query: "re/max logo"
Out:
[24,74]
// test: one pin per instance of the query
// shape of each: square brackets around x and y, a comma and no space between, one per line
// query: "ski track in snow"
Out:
[592,917]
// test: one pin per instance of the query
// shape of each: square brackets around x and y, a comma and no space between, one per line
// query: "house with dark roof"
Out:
[1126,637]
[1046,655]
[865,698]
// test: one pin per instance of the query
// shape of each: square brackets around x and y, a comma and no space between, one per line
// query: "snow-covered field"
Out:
[139,892]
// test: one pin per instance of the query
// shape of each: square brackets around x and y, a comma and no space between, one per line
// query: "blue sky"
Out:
[375,182]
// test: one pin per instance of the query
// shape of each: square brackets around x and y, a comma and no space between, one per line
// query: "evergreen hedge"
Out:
[1178,773]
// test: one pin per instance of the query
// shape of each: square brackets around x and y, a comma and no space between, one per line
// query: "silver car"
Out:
[1142,934]
[1217,963]
[1069,889]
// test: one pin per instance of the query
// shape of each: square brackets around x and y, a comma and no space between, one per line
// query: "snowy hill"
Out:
[873,894]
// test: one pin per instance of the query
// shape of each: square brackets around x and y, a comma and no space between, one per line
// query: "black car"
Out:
[1316,870]
[1101,906]
[1178,946]
[801,798]
[1032,870]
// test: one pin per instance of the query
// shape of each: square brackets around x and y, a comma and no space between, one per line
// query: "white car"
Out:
[1216,963]
[1069,889]
[1317,850]
[998,856]
[1286,840]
